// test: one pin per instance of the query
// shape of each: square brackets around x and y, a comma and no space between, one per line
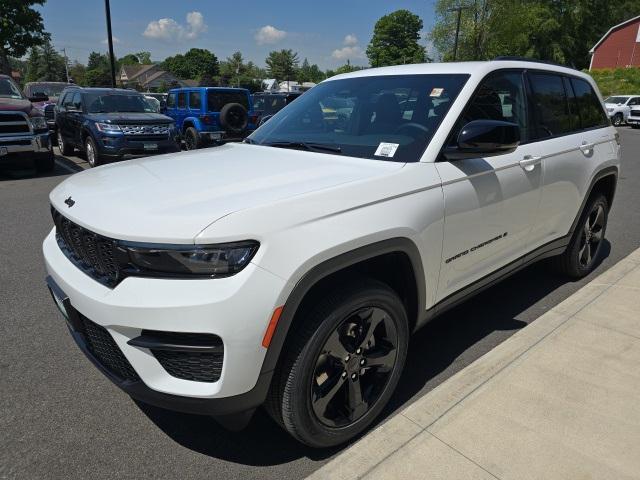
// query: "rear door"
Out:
[575,135]
[490,203]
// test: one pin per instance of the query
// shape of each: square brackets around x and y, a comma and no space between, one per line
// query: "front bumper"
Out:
[633,120]
[237,309]
[119,145]
[20,145]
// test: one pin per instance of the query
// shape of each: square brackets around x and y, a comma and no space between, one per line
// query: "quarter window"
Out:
[194,100]
[551,105]
[591,111]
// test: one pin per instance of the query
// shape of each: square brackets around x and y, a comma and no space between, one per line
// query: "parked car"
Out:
[154,103]
[37,91]
[208,115]
[267,104]
[619,106]
[24,134]
[292,269]
[107,124]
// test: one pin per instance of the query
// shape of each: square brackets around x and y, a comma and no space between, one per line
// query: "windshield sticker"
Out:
[436,92]
[386,149]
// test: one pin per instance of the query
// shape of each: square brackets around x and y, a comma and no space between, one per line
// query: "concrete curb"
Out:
[409,427]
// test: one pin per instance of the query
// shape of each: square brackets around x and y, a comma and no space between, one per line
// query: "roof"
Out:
[101,89]
[230,89]
[133,71]
[157,74]
[615,27]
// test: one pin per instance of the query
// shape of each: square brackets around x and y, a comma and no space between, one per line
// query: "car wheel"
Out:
[90,149]
[585,248]
[65,148]
[341,365]
[192,139]
[617,119]
[45,163]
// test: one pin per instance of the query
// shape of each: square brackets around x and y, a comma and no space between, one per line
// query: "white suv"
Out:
[291,270]
[619,107]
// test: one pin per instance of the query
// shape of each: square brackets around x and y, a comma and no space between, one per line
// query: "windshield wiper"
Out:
[312,147]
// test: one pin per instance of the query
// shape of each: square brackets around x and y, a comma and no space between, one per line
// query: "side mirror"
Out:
[484,138]
[39,97]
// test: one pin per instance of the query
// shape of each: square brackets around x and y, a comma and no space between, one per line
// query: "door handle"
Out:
[587,148]
[529,163]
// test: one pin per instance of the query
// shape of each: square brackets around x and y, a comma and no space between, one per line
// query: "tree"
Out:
[129,59]
[346,68]
[282,65]
[395,40]
[78,73]
[98,73]
[196,63]
[45,64]
[21,28]
[144,58]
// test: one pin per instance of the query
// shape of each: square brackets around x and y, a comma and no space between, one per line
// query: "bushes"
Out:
[618,81]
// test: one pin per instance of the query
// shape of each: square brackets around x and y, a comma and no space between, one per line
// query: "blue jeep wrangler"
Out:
[210,115]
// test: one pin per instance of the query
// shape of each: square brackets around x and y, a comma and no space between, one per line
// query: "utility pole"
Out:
[458,9]
[107,9]
[66,63]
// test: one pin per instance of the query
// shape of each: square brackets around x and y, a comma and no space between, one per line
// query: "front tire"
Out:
[341,365]
[585,247]
[65,148]
[192,139]
[617,120]
[90,149]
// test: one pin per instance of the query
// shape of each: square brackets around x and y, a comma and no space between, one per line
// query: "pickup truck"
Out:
[24,133]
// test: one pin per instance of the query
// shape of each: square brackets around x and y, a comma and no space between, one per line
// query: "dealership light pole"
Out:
[110,40]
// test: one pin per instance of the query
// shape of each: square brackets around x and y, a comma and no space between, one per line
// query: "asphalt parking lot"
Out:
[60,418]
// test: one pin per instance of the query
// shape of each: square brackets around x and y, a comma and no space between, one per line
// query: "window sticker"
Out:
[436,92]
[386,149]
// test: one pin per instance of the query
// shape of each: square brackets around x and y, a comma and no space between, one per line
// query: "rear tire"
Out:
[192,139]
[584,249]
[341,365]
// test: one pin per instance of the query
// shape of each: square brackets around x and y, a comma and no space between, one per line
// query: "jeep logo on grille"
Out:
[70,202]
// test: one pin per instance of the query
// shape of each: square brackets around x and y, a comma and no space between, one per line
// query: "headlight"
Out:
[108,127]
[219,260]
[609,110]
[39,123]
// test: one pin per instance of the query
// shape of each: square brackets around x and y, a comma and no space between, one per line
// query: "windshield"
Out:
[8,89]
[111,103]
[616,100]
[49,89]
[383,118]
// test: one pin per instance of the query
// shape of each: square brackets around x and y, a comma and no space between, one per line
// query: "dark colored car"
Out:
[44,96]
[266,104]
[108,124]
[24,134]
[208,115]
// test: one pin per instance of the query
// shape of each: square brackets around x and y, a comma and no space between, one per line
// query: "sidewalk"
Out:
[558,400]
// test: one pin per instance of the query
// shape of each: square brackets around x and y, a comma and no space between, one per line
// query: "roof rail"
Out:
[528,59]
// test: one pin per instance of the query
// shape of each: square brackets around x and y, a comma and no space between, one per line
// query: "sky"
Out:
[327,32]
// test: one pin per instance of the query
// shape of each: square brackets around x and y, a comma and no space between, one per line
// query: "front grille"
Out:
[136,130]
[92,253]
[104,348]
[635,113]
[48,111]
[13,123]
[194,366]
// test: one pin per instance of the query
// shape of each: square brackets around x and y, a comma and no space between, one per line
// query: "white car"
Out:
[619,106]
[292,269]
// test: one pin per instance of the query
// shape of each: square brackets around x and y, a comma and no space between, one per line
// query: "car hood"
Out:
[172,198]
[129,117]
[15,105]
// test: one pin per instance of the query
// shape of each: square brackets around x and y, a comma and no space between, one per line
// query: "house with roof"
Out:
[149,77]
[619,47]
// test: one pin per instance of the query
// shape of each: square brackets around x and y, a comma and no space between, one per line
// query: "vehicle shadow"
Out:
[435,348]
[24,170]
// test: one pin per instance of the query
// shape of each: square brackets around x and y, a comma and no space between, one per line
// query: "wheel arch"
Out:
[371,260]
[191,122]
[604,181]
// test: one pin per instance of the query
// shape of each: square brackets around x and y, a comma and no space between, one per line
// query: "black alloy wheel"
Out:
[591,236]
[354,367]
[617,119]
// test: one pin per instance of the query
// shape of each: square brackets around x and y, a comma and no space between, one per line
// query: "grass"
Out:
[618,81]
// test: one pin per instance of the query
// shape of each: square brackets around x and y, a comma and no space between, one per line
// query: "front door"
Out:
[490,203]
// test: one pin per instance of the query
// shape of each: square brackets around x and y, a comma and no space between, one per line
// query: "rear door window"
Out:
[182,100]
[216,99]
[551,105]
[592,114]
[194,100]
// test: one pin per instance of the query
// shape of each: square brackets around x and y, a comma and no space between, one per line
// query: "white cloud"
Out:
[269,35]
[167,29]
[350,40]
[116,41]
[351,49]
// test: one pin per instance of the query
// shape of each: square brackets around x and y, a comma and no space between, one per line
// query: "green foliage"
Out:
[395,40]
[129,59]
[98,72]
[78,73]
[21,28]
[618,81]
[194,64]
[282,65]
[45,64]
[557,30]
[234,71]
[309,73]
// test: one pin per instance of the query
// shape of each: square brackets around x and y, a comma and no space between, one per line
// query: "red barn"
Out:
[620,46]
